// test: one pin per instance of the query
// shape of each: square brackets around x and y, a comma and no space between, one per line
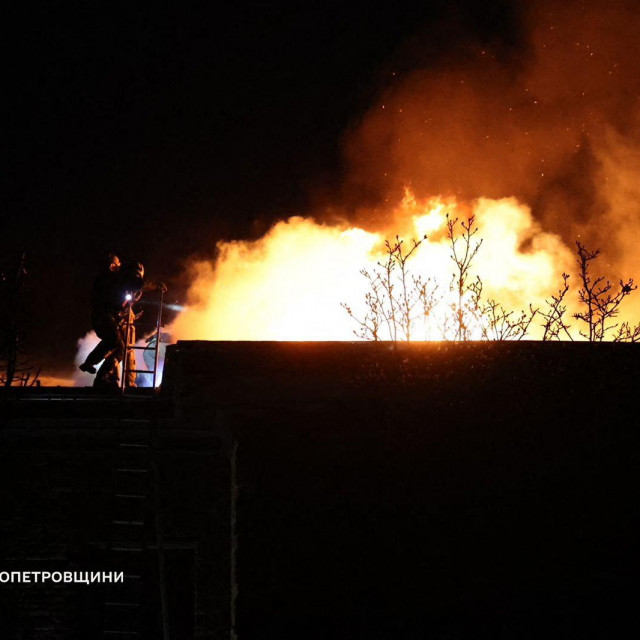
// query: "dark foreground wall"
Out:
[441,491]
[101,484]
[333,490]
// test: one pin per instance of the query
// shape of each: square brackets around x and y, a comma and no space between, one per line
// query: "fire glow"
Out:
[289,284]
[541,142]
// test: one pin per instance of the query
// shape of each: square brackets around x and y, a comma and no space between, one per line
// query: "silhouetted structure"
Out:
[14,368]
[337,490]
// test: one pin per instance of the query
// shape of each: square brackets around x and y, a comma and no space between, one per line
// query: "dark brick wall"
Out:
[58,461]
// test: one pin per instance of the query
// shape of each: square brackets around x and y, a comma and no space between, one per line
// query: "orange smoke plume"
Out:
[543,145]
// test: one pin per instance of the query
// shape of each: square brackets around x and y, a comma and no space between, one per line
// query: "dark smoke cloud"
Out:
[548,115]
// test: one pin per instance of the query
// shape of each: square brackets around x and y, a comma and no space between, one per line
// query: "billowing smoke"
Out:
[541,139]
[90,340]
[85,345]
[554,123]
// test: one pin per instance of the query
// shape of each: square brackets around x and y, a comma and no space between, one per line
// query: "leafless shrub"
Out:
[394,296]
[374,318]
[600,303]
[427,291]
[501,325]
[464,248]
[554,323]
[627,333]
[469,309]
[397,301]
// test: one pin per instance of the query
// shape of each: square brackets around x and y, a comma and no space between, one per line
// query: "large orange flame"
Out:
[289,284]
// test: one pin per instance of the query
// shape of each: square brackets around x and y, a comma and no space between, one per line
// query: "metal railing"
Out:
[130,346]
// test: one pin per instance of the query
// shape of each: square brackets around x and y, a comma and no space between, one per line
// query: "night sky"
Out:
[155,131]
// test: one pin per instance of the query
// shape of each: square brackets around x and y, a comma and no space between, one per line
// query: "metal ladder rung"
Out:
[133,470]
[141,371]
[129,523]
[133,445]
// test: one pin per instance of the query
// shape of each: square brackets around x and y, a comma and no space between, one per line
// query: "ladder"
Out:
[135,528]
[129,332]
